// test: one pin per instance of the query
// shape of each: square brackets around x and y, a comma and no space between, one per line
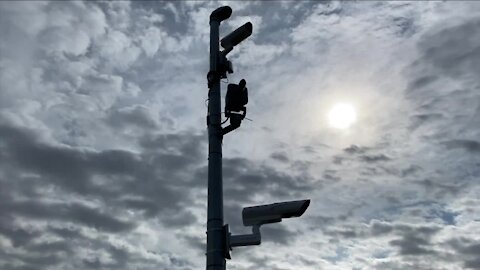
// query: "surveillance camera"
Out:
[272,213]
[237,36]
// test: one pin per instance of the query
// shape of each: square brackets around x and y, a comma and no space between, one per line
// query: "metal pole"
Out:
[215,231]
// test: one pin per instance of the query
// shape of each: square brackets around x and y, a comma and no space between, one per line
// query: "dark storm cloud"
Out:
[401,265]
[362,153]
[472,264]
[453,51]
[277,233]
[73,169]
[410,239]
[142,175]
[448,52]
[443,90]
[448,61]
[149,207]
[189,145]
[415,240]
[17,236]
[374,158]
[421,119]
[280,156]
[404,26]
[30,262]
[62,165]
[136,116]
[316,221]
[355,149]
[49,253]
[68,212]
[344,233]
[175,219]
[151,180]
[380,228]
[467,250]
[45,253]
[421,82]
[245,179]
[467,145]
[122,257]
[331,175]
[442,189]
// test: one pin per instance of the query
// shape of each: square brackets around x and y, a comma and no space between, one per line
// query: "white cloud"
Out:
[151,41]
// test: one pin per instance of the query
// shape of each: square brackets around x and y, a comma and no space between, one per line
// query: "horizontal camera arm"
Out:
[246,239]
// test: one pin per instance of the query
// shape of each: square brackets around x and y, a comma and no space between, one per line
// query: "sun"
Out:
[342,116]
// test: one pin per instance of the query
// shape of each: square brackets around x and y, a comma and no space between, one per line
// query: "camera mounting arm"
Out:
[241,240]
[245,239]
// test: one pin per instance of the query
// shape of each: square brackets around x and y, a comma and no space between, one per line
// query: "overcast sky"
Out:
[103,145]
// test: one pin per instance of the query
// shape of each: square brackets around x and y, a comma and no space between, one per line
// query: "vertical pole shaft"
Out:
[215,232]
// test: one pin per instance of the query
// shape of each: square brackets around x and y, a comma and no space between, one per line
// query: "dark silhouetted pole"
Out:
[216,242]
[219,240]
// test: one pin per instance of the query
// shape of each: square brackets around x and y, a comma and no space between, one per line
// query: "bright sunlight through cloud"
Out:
[342,116]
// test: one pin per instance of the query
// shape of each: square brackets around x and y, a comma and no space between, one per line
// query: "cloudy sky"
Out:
[103,145]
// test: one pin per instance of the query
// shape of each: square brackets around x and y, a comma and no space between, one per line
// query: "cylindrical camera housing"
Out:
[237,36]
[272,213]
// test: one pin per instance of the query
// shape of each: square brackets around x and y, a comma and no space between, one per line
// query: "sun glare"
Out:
[342,116]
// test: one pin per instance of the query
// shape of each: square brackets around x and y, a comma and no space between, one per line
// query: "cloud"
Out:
[467,249]
[67,212]
[280,156]
[136,116]
[414,241]
[468,145]
[103,139]
[244,185]
[95,182]
[58,35]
